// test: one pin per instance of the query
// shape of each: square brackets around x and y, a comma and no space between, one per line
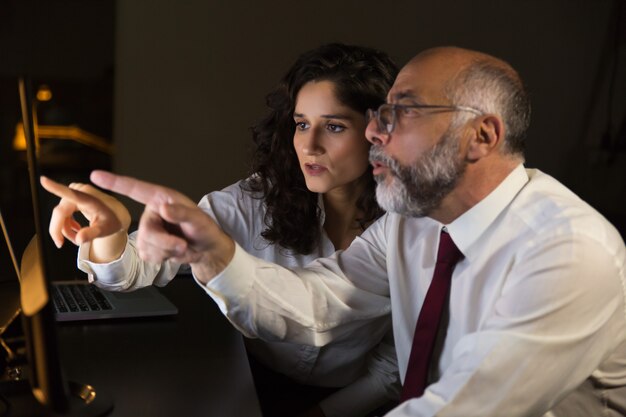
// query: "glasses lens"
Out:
[374,115]
[386,119]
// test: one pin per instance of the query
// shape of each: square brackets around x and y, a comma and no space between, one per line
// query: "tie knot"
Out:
[448,252]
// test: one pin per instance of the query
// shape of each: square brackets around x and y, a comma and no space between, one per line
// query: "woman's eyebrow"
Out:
[327,116]
[336,116]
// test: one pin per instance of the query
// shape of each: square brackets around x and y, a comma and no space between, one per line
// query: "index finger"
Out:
[57,189]
[140,191]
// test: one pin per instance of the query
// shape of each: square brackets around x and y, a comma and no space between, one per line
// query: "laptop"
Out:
[76,299]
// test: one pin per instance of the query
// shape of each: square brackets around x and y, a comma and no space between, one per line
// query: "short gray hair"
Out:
[494,87]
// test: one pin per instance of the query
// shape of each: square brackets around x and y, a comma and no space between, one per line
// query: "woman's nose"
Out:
[310,144]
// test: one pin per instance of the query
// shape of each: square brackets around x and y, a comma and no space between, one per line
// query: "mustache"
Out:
[376,154]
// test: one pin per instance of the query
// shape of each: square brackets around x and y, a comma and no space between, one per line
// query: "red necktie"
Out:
[429,318]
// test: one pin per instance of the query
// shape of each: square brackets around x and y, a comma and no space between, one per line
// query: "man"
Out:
[535,319]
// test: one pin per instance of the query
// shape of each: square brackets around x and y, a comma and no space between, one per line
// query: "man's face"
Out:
[420,162]
[415,190]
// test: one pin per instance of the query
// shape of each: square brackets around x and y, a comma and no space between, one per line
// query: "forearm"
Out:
[274,303]
[107,249]
[126,272]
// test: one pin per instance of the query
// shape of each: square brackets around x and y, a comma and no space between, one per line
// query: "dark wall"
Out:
[191,78]
[69,46]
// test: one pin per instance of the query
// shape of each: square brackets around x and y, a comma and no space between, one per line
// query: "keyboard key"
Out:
[59,305]
[79,297]
[66,292]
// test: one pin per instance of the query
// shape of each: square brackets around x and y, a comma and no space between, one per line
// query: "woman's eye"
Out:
[301,125]
[335,128]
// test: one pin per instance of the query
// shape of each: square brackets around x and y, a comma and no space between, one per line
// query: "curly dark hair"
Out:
[362,76]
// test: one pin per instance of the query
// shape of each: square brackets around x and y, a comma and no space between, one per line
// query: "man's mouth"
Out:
[378,167]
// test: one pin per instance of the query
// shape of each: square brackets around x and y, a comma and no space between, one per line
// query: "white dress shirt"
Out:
[368,372]
[537,311]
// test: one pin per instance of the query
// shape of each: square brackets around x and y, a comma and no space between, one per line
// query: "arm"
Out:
[108,220]
[105,251]
[128,272]
[311,305]
[172,227]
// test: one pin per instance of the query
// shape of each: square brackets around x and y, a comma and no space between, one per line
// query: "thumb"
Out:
[179,213]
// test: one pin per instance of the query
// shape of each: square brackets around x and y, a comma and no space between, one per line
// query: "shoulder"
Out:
[552,213]
[235,196]
[236,209]
[545,202]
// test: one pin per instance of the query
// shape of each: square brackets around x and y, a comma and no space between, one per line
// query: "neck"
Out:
[341,214]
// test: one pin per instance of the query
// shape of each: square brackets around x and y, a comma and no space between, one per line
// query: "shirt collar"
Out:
[468,227]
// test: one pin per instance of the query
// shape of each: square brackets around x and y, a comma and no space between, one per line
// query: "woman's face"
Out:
[329,138]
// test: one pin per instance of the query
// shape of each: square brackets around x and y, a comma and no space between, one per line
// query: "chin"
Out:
[315,187]
[318,190]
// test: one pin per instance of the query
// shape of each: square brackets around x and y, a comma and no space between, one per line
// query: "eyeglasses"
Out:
[387,113]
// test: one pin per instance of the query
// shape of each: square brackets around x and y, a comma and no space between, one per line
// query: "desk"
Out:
[192,364]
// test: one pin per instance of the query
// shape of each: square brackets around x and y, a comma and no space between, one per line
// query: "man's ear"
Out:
[488,135]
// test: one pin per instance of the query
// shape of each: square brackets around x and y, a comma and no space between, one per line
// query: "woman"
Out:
[311,193]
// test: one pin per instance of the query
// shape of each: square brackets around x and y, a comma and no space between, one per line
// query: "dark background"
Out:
[174,86]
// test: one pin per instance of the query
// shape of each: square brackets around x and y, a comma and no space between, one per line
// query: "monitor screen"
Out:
[47,393]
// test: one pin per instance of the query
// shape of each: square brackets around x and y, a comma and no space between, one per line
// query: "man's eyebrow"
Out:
[405,94]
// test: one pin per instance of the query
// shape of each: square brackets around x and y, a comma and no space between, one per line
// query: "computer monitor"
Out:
[47,392]
[9,287]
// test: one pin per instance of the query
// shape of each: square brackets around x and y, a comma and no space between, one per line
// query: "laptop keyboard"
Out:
[79,297]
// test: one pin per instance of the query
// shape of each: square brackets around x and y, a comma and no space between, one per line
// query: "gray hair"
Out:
[494,87]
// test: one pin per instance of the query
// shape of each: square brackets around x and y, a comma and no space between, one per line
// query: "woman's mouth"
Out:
[314,169]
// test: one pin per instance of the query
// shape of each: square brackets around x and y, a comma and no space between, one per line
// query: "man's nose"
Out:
[374,134]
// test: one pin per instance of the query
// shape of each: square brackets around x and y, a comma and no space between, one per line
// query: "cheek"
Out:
[297,146]
[354,155]
[408,149]
[364,153]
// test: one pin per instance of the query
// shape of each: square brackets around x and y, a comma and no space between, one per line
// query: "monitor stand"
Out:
[17,400]
[16,396]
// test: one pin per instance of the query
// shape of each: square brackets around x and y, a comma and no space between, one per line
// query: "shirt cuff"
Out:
[110,275]
[230,287]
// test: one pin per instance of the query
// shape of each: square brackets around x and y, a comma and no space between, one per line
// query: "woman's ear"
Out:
[488,135]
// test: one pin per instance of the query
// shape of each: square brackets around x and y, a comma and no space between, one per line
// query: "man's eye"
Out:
[407,110]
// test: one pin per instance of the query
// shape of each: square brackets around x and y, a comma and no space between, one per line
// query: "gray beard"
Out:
[417,190]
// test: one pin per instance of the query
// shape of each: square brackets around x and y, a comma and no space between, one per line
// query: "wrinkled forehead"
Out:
[425,78]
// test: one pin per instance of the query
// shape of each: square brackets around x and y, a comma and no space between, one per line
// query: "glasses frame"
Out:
[391,125]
